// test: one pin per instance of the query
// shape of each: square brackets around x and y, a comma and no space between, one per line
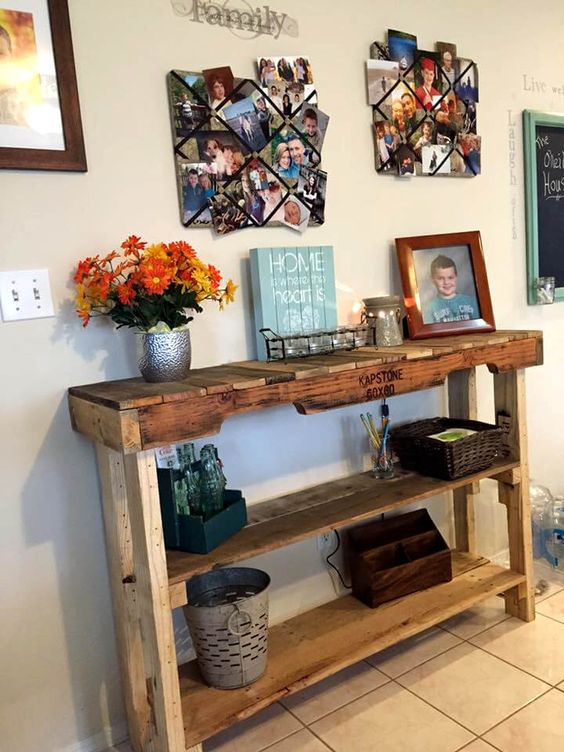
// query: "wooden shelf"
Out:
[130,415]
[170,710]
[295,517]
[316,644]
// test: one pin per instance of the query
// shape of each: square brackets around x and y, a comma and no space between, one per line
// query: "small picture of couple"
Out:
[289,154]
[197,183]
[243,118]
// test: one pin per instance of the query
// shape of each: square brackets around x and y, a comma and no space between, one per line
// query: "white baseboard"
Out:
[109,737]
[501,558]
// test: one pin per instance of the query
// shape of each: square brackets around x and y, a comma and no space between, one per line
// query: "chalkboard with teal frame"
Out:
[293,290]
[543,140]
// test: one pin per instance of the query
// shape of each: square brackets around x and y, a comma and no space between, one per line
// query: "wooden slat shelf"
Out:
[295,517]
[315,644]
[130,415]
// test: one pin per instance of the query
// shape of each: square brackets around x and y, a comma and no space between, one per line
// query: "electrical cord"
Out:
[348,587]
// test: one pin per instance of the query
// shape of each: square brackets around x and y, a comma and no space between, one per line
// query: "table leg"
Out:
[509,394]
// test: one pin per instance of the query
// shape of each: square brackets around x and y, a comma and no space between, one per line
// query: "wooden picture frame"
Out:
[72,155]
[543,142]
[445,285]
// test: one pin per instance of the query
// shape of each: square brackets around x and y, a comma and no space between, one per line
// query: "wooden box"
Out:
[397,556]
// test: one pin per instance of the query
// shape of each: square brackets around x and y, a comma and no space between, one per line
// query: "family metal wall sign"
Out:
[257,21]
[424,107]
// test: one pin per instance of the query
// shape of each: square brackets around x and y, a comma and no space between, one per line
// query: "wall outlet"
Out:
[324,541]
[26,295]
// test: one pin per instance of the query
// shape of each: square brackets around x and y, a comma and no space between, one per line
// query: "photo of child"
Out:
[313,125]
[446,284]
[311,190]
[196,183]
[220,83]
[435,159]
[293,214]
[381,75]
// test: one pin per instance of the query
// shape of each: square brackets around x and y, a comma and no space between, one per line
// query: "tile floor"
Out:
[478,682]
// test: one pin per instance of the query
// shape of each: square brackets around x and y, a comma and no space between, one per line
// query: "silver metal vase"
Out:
[165,356]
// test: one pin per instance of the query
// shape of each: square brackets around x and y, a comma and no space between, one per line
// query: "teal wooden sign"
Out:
[293,290]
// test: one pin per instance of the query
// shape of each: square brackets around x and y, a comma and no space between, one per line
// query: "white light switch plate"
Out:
[25,295]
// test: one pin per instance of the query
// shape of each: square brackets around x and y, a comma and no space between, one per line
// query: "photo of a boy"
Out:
[448,304]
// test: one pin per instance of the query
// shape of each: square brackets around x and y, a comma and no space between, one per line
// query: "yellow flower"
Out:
[230,290]
[156,251]
[201,279]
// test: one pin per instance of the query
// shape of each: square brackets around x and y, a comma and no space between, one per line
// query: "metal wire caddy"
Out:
[318,342]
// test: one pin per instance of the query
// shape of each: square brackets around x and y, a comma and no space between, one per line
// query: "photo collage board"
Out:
[424,107]
[248,153]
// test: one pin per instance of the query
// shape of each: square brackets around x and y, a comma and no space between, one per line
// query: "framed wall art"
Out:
[543,140]
[248,153]
[424,105]
[445,285]
[40,124]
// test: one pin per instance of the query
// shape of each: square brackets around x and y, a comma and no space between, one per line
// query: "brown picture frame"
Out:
[73,156]
[423,303]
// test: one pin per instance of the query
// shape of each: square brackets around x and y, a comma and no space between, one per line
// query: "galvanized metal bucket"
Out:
[227,614]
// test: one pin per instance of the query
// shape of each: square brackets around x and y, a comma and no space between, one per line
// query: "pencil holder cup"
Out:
[383,465]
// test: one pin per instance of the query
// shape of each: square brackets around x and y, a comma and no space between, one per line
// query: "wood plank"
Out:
[406,350]
[125,394]
[153,601]
[112,428]
[333,365]
[364,359]
[463,403]
[509,397]
[123,581]
[317,644]
[315,511]
[300,368]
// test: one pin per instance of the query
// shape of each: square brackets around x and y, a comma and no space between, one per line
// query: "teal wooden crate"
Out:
[192,533]
[293,290]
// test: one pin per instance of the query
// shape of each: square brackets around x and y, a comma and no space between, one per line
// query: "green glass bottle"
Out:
[211,481]
[188,465]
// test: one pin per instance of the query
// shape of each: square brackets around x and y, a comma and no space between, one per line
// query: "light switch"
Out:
[25,295]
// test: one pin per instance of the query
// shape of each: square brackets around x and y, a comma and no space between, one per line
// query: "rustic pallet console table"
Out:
[169,709]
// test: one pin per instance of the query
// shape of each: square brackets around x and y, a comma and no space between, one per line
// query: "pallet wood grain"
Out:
[233,389]
[316,644]
[295,517]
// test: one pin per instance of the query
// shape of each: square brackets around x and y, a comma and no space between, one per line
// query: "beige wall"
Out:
[60,686]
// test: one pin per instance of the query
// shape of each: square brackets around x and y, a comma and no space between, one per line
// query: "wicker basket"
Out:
[441,459]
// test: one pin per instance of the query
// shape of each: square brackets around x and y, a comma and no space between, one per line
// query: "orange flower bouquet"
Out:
[150,288]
